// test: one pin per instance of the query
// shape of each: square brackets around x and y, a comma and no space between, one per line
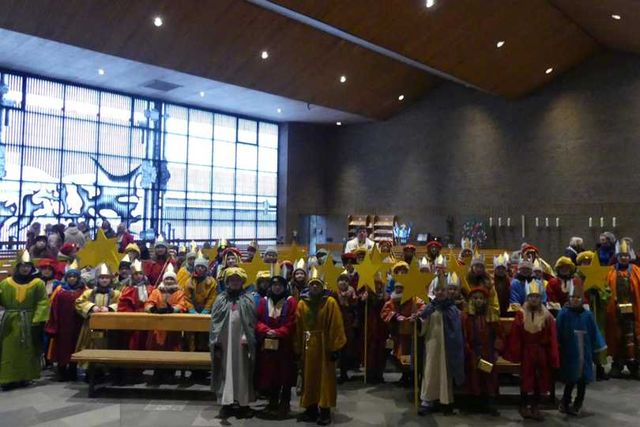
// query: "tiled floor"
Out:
[47,403]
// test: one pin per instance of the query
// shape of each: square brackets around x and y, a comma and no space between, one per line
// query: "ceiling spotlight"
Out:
[401,97]
[279,110]
[157,21]
[264,54]
[431,3]
[549,70]
[202,94]
[101,71]
[616,17]
[343,79]
[500,44]
[339,123]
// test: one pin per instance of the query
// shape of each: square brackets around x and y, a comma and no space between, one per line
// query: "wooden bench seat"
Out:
[146,359]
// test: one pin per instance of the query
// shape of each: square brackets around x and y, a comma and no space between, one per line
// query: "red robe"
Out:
[348,302]
[401,331]
[129,302]
[556,293]
[536,351]
[154,269]
[276,368]
[377,334]
[64,325]
[503,289]
[482,339]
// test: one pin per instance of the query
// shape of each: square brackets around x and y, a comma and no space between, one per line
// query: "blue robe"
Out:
[578,339]
[518,292]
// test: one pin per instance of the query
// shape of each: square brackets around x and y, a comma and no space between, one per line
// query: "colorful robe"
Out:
[64,324]
[165,340]
[154,269]
[558,291]
[533,343]
[503,290]
[276,368]
[84,305]
[319,334]
[623,329]
[233,348]
[401,331]
[483,339]
[579,339]
[132,300]
[348,302]
[26,308]
[518,290]
[377,334]
[200,294]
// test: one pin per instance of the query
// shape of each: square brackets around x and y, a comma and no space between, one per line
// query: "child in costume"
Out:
[533,343]
[444,352]
[348,301]
[579,339]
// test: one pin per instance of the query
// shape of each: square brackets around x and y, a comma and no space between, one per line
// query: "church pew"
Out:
[142,358]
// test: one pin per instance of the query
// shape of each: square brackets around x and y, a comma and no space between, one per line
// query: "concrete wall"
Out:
[571,150]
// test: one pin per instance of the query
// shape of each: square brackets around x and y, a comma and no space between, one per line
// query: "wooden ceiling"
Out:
[222,40]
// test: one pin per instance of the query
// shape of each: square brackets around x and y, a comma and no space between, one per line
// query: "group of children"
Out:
[285,328]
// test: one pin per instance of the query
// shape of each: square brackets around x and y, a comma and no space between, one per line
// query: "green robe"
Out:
[26,309]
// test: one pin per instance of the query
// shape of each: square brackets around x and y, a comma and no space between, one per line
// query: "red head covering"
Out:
[46,262]
[484,291]
[67,248]
[409,248]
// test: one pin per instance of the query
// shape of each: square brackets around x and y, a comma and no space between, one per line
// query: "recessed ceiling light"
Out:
[157,21]
[101,71]
[279,110]
[401,97]
[343,79]
[264,54]
[500,44]
[431,3]
[616,17]
[339,123]
[549,70]
[202,94]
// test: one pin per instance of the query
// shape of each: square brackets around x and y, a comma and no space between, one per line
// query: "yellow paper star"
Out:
[293,253]
[460,270]
[252,268]
[100,250]
[367,270]
[330,274]
[209,253]
[596,275]
[415,283]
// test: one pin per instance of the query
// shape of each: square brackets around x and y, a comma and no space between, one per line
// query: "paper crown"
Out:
[466,243]
[537,265]
[126,258]
[500,261]
[478,258]
[25,257]
[132,247]
[193,246]
[169,272]
[453,280]
[440,261]
[200,259]
[102,270]
[424,263]
[136,266]
[42,233]
[283,270]
[315,276]
[533,287]
[344,273]
[300,265]
[182,249]
[223,243]
[72,266]
[252,245]
[622,247]
[160,241]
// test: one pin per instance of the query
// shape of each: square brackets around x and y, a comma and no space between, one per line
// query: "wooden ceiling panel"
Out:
[222,40]
[595,16]
[459,37]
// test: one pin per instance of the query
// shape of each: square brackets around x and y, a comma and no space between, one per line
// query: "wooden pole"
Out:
[366,335]
[415,358]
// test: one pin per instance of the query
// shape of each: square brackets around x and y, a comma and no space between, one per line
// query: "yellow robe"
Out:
[84,304]
[183,277]
[200,296]
[316,338]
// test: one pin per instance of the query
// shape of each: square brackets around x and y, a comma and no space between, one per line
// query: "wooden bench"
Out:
[141,358]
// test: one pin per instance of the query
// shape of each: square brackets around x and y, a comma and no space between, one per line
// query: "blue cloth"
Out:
[570,321]
[453,341]
[518,291]
[605,254]
[390,285]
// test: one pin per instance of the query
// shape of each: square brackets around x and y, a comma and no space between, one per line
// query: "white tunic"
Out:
[237,386]
[436,383]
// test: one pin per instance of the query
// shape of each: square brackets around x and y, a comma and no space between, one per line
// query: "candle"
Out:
[590,221]
[546,221]
[522,224]
[537,222]
[557,222]
[509,222]
[490,221]
[614,221]
[499,221]
[601,222]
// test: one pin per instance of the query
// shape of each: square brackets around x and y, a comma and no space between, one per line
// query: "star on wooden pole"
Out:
[415,283]
[330,274]
[367,270]
[461,271]
[596,275]
[252,268]
[100,250]
[292,253]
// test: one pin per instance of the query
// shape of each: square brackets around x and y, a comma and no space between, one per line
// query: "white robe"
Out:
[436,383]
[238,384]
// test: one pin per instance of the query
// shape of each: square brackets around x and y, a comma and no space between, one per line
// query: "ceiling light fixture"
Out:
[500,44]
[616,17]
[339,123]
[279,110]
[431,3]
[101,71]
[264,54]
[202,94]
[549,70]
[401,97]
[343,79]
[157,21]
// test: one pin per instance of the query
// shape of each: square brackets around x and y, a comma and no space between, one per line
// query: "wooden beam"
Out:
[150,322]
